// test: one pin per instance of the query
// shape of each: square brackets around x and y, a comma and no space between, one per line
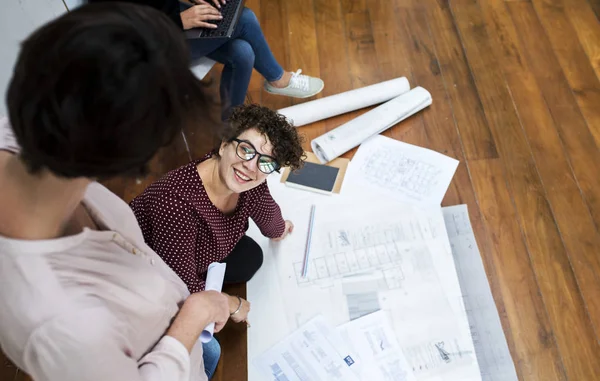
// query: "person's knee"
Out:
[214,349]
[211,356]
[257,259]
[248,19]
[242,55]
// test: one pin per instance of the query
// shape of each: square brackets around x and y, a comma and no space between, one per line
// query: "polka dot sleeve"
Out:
[266,213]
[174,233]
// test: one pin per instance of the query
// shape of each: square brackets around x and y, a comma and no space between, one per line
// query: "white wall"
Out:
[18,18]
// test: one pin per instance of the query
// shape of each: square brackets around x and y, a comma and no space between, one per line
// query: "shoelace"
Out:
[299,81]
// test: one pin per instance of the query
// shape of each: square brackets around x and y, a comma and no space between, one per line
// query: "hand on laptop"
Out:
[216,2]
[199,16]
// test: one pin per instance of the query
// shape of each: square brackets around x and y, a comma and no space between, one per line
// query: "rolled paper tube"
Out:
[327,107]
[214,281]
[349,135]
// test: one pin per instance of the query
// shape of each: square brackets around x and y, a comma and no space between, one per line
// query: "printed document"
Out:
[399,171]
[311,353]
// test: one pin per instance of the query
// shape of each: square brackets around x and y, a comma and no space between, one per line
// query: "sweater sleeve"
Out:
[97,354]
[173,236]
[266,213]
[168,7]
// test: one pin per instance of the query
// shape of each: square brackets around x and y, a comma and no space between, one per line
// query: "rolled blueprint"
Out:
[347,136]
[342,103]
[214,281]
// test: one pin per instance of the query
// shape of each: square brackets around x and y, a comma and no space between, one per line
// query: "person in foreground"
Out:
[247,49]
[93,95]
[198,213]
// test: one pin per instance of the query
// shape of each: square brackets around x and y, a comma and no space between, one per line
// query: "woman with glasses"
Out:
[198,213]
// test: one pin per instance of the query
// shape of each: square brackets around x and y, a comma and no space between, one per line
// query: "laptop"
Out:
[231,12]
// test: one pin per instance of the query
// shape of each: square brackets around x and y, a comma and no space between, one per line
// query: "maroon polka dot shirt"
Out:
[187,230]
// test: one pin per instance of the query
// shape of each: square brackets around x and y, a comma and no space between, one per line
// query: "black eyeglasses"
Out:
[246,151]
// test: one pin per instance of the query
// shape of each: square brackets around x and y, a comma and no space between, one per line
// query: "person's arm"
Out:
[87,345]
[174,234]
[266,213]
[199,310]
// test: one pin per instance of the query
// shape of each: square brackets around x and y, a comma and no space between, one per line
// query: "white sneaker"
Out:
[300,86]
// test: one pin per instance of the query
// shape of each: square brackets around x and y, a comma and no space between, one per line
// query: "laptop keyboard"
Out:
[228,12]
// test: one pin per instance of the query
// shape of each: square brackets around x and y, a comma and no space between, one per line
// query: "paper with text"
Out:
[374,341]
[311,353]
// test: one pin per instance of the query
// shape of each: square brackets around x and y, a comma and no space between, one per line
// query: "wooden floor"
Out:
[516,98]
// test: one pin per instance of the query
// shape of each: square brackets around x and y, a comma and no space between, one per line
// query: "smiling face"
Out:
[237,174]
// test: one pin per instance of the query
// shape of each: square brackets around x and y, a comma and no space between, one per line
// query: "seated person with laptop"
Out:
[240,48]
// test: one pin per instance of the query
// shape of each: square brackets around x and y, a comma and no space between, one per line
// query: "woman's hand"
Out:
[289,227]
[216,2]
[242,314]
[199,310]
[198,15]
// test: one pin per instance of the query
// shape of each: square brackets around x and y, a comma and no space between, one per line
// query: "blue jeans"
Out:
[211,355]
[246,49]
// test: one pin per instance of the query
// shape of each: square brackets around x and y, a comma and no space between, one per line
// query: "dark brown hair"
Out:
[97,91]
[284,137]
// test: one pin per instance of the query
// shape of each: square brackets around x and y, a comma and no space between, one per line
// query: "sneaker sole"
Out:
[295,96]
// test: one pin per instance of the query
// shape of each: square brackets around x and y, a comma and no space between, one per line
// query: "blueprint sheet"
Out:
[367,256]
[399,171]
[492,351]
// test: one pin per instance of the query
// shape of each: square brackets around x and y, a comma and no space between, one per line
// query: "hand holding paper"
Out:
[214,281]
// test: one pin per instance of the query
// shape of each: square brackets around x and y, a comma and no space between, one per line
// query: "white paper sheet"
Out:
[311,353]
[349,135]
[399,171]
[492,351]
[280,304]
[327,107]
[373,340]
[214,281]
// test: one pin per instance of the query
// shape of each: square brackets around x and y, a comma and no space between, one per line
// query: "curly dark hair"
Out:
[284,137]
[96,92]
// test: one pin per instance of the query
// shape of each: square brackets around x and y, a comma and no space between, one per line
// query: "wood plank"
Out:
[595,4]
[577,228]
[476,137]
[577,139]
[534,353]
[364,68]
[574,61]
[333,61]
[233,365]
[256,81]
[7,370]
[274,23]
[351,6]
[586,26]
[555,278]
[302,39]
[393,52]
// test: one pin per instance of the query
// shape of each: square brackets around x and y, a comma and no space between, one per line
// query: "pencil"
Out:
[311,221]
